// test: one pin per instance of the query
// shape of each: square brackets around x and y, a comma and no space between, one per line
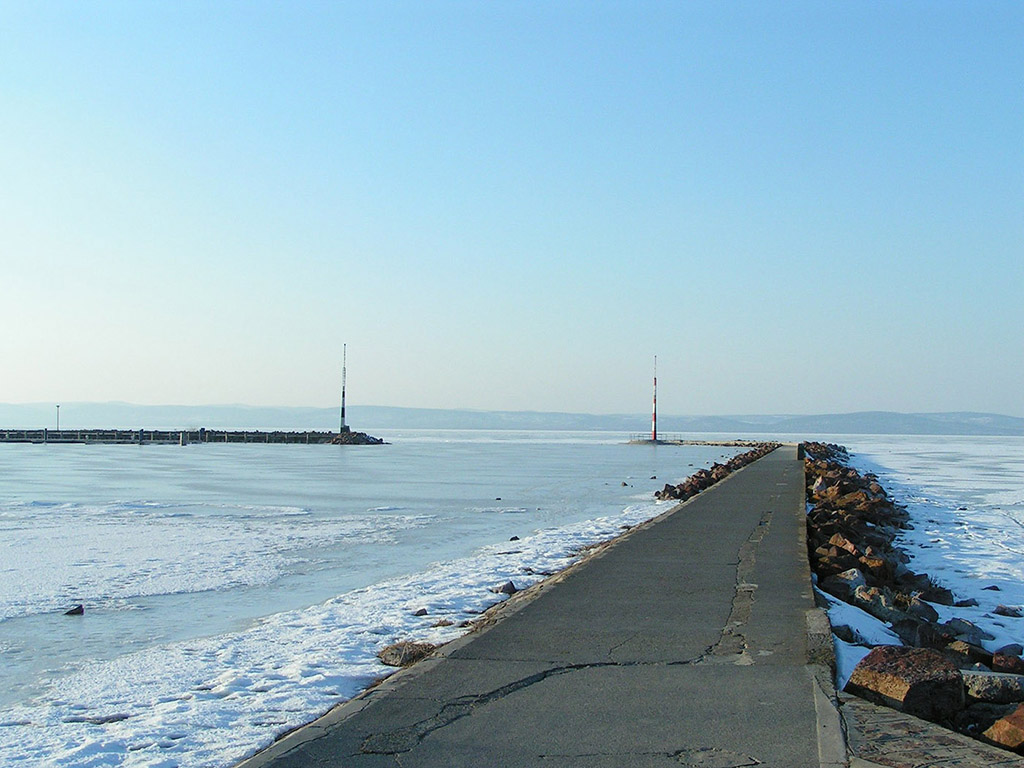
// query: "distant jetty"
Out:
[645,439]
[183,436]
[348,437]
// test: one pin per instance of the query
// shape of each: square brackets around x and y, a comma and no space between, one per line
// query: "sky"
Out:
[799,207]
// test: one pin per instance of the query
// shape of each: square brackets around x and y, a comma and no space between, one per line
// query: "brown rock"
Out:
[1004,662]
[878,567]
[879,603]
[855,500]
[1008,731]
[404,653]
[835,563]
[919,681]
[932,636]
[966,654]
[840,541]
[979,717]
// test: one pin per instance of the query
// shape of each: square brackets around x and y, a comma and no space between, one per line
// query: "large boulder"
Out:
[979,717]
[840,541]
[843,584]
[919,681]
[1008,731]
[880,603]
[968,631]
[915,606]
[994,687]
[1004,662]
[963,654]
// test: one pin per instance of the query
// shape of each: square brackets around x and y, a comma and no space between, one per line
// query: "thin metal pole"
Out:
[654,412]
[58,418]
[344,362]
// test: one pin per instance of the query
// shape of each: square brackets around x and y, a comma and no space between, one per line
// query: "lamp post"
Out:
[58,418]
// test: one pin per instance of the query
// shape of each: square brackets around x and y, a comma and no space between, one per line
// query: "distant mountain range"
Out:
[369,418]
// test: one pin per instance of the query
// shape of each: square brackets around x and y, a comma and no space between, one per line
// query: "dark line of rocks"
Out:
[943,673]
[349,437]
[703,479]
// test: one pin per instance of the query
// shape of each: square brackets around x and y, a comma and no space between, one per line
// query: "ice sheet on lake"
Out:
[213,701]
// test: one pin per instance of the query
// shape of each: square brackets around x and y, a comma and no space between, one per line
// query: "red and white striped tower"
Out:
[654,412]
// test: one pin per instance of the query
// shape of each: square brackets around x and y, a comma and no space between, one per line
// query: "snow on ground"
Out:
[214,701]
[965,497]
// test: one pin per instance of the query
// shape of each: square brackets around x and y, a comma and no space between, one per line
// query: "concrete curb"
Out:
[832,750]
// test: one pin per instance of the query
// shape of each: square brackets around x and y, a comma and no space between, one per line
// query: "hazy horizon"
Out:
[371,418]
[357,406]
[802,207]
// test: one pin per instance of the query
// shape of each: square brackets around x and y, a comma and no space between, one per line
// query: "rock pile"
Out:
[705,478]
[943,673]
[355,438]
[405,653]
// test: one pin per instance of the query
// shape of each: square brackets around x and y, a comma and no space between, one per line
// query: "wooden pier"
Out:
[160,436]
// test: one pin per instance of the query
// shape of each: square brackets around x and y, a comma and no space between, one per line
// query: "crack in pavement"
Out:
[701,757]
[733,641]
[614,648]
[404,739]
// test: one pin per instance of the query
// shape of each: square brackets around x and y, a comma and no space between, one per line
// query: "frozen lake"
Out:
[234,591]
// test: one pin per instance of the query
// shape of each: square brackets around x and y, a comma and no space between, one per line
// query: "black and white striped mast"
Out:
[344,360]
[654,407]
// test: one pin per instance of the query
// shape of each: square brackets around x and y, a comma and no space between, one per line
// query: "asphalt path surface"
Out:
[685,643]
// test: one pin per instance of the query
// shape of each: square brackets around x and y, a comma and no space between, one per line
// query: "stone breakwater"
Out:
[705,478]
[943,671]
[355,438]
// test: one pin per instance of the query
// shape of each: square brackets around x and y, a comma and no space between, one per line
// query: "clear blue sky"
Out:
[800,207]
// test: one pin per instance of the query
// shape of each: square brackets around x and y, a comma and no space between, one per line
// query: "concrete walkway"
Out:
[683,644]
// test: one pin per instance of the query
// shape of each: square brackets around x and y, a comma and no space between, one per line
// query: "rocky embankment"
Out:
[943,671]
[356,438]
[705,478]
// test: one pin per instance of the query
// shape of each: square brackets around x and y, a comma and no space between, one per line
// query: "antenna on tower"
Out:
[654,412]
[344,361]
